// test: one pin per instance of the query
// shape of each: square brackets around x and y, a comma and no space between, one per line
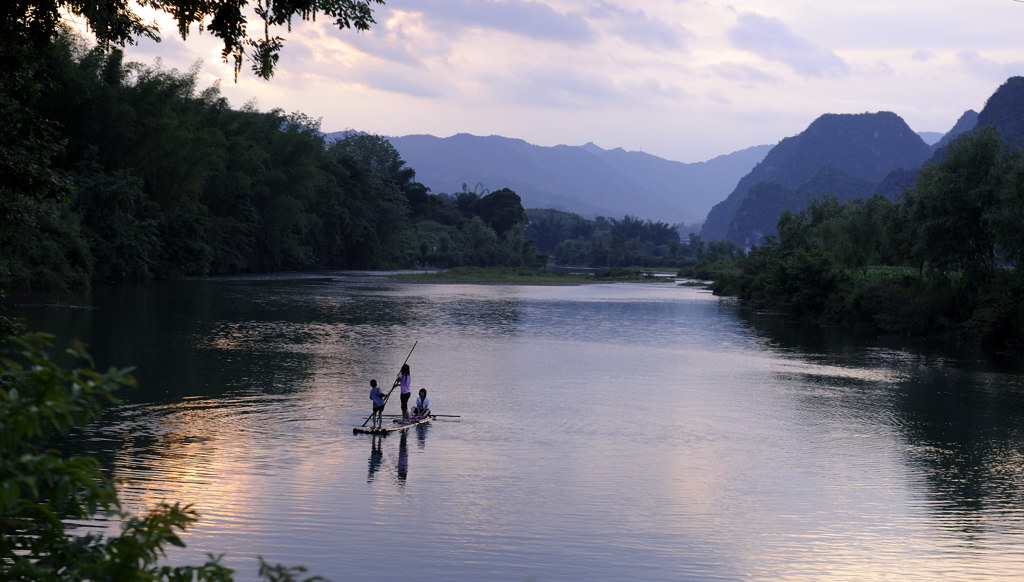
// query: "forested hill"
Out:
[117,172]
[843,154]
[942,260]
[586,180]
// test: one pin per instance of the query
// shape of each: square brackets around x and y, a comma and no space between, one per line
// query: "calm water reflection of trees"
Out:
[959,411]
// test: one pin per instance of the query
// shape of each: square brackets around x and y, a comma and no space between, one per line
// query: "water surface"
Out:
[606,433]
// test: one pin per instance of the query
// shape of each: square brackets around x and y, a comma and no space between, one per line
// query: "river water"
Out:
[605,432]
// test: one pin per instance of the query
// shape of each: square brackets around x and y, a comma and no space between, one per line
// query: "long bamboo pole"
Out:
[434,415]
[393,386]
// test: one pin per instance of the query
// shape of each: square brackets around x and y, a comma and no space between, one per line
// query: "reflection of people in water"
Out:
[403,458]
[376,455]
[421,434]
[376,460]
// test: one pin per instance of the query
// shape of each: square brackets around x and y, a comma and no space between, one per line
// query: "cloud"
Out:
[771,39]
[454,42]
[923,55]
[169,49]
[987,68]
[743,73]
[636,27]
[398,37]
[558,87]
[395,50]
[405,83]
[523,18]
[621,72]
[651,87]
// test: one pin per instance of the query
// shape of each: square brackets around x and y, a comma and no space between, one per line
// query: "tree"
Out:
[952,205]
[501,210]
[862,233]
[115,22]
[28,143]
[32,33]
[383,182]
[379,158]
[548,227]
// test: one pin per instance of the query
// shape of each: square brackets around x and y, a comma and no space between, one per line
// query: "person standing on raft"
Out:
[405,381]
[378,404]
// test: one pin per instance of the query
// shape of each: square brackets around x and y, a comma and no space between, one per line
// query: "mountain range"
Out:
[586,180]
[737,196]
[844,155]
[850,156]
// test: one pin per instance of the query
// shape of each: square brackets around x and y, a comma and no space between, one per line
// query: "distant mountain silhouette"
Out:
[1005,110]
[742,194]
[903,179]
[850,152]
[586,180]
[842,154]
[967,122]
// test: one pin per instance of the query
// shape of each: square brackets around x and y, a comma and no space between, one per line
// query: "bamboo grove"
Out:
[139,175]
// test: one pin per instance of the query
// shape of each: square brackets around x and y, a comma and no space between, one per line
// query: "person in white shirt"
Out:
[422,407]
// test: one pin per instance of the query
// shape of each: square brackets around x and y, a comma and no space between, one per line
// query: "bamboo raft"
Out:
[396,424]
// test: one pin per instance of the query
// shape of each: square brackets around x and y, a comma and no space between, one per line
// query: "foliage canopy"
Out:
[116,22]
[154,178]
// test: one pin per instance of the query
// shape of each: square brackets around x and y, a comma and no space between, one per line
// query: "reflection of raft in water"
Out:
[396,424]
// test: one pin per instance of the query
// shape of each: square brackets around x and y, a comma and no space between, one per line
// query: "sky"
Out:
[685,80]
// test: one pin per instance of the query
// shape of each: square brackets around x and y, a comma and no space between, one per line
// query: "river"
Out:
[600,433]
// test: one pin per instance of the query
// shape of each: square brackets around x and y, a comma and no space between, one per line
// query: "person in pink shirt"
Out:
[405,381]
